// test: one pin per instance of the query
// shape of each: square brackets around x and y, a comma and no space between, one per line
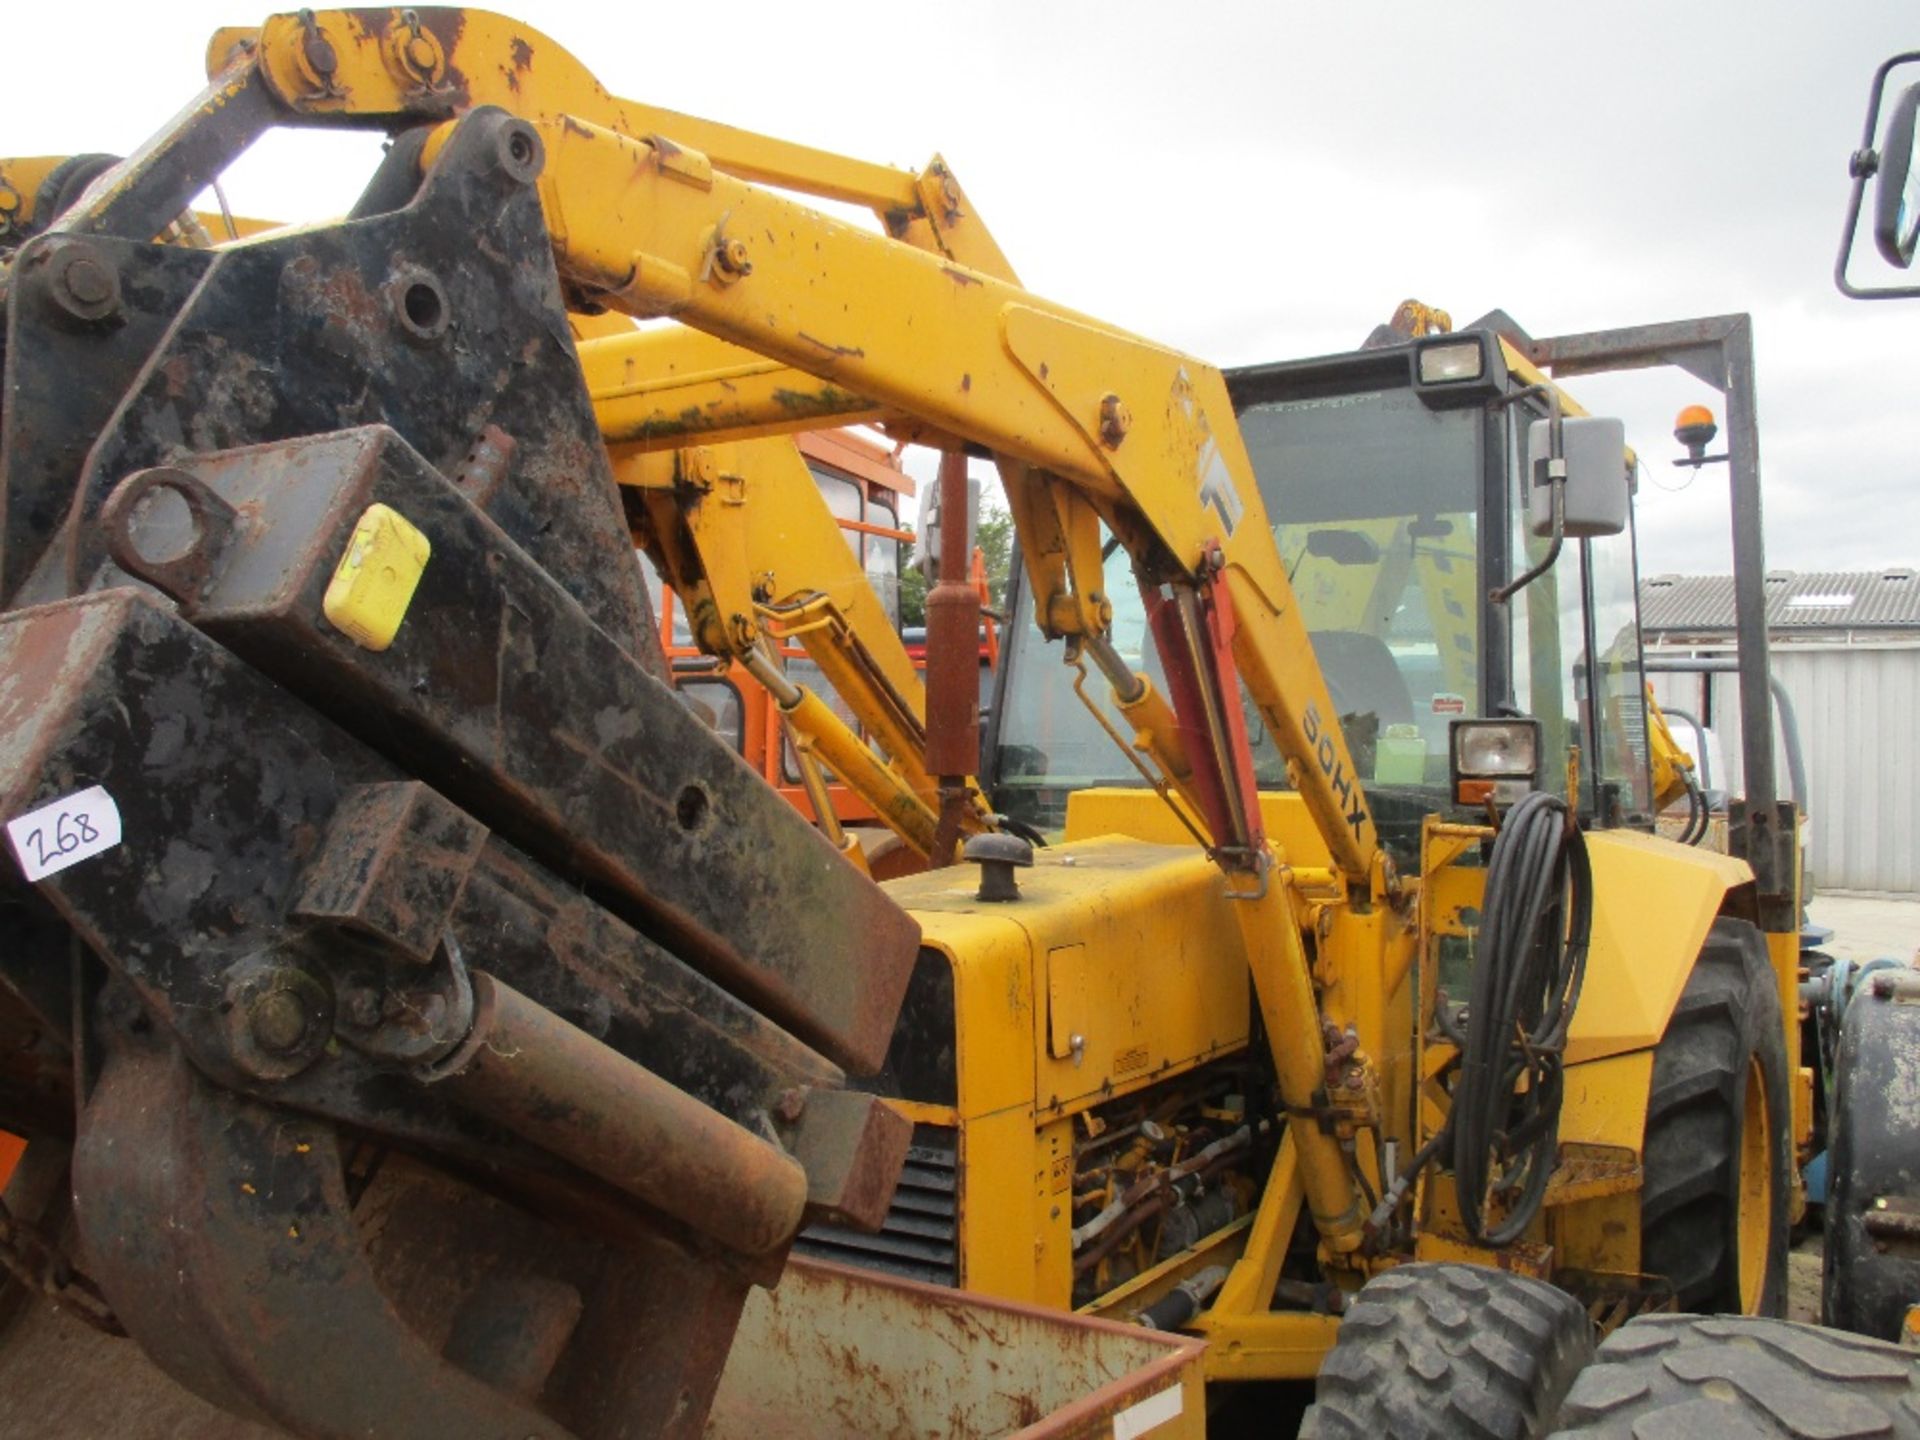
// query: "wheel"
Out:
[1449,1350]
[1870,1270]
[1667,1376]
[1718,1147]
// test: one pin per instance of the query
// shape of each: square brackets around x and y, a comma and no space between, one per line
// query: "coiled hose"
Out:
[1536,922]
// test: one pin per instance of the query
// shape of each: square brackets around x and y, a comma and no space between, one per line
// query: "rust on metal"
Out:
[392,866]
[834,1351]
[500,690]
[953,636]
[1588,1172]
[237,1009]
[852,1146]
[560,1088]
[1893,1220]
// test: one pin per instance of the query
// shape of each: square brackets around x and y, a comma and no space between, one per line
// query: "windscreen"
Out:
[1374,499]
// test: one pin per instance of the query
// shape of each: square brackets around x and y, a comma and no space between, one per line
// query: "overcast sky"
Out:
[1260,181]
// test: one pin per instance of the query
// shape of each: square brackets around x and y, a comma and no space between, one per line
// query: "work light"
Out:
[1497,760]
[1456,360]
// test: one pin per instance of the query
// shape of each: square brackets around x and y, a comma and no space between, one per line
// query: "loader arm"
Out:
[1088,424]
[414,890]
[363,67]
[721,561]
[1047,391]
[33,187]
[1052,394]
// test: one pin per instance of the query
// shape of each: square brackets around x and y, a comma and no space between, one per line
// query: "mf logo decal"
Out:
[1353,807]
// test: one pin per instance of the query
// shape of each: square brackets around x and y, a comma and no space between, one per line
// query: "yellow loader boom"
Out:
[1090,424]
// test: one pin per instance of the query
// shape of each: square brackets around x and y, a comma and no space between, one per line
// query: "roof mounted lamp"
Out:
[1694,428]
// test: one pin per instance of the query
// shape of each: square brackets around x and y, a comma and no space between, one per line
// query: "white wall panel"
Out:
[1859,715]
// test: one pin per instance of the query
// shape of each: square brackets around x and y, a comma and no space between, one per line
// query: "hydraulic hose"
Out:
[1538,917]
[1699,814]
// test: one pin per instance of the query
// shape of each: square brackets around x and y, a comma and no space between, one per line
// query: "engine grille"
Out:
[918,1240]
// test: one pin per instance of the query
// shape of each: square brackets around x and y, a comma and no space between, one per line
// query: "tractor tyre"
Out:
[1736,1375]
[1433,1351]
[1870,1270]
[1718,1148]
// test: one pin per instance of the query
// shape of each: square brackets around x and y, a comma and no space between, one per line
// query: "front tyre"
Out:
[1432,1352]
[1732,1375]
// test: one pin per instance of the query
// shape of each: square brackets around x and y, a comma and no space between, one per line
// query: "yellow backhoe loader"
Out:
[450,1034]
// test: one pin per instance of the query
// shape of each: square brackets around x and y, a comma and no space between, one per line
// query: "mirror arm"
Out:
[1863,165]
[1557,497]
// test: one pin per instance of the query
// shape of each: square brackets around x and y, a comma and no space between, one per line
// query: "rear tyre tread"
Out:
[1728,1014]
[1737,1376]
[1449,1350]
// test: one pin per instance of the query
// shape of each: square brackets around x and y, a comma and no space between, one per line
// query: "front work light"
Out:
[1451,372]
[1497,760]
[1455,360]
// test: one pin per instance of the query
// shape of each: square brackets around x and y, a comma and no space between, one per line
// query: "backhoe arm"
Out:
[743,536]
[1671,765]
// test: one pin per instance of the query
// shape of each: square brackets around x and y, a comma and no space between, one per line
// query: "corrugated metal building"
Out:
[1846,648]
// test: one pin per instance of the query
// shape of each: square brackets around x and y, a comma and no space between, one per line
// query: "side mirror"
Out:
[1885,159]
[1594,452]
[1896,211]
[926,540]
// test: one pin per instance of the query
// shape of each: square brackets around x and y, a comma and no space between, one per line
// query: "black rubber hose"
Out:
[1536,922]
[1700,815]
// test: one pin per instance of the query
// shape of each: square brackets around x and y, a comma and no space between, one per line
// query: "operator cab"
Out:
[1397,478]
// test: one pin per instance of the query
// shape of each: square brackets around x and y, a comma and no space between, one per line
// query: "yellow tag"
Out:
[374,582]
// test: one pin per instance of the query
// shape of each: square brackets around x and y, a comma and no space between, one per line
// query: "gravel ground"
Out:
[1866,927]
[1803,1280]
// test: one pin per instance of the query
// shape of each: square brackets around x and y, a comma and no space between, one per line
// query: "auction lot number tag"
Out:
[65,832]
